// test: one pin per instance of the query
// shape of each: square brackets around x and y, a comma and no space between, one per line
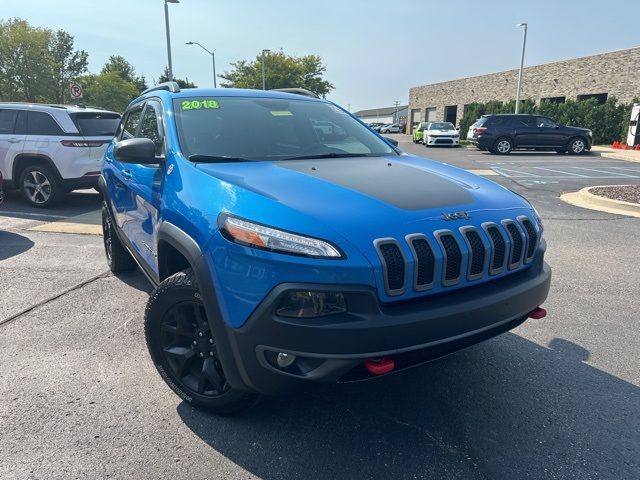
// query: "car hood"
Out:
[370,196]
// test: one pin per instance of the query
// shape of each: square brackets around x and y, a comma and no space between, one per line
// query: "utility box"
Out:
[633,138]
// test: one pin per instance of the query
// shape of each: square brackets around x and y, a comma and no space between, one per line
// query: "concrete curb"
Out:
[620,156]
[585,199]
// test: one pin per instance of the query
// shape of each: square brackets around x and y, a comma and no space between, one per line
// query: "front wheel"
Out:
[503,146]
[577,146]
[184,350]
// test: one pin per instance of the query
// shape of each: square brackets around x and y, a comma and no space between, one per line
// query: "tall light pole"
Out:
[166,23]
[264,52]
[524,44]
[213,59]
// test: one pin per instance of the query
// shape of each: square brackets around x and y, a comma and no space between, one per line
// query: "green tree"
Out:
[182,83]
[125,70]
[25,62]
[108,90]
[67,64]
[281,71]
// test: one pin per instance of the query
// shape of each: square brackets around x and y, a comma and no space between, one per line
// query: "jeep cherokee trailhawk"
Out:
[304,254]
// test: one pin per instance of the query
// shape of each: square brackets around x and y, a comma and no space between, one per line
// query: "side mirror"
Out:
[392,141]
[136,150]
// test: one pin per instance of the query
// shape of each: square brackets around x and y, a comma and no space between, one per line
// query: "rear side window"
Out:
[96,124]
[131,123]
[40,123]
[496,121]
[8,121]
[149,127]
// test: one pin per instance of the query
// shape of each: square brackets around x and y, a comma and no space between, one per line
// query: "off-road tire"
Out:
[178,290]
[118,258]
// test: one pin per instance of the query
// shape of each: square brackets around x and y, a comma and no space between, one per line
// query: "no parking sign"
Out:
[75,89]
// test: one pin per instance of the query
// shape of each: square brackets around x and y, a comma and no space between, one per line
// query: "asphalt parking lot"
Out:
[556,398]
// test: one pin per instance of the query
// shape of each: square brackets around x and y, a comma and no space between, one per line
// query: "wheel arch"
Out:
[24,160]
[172,241]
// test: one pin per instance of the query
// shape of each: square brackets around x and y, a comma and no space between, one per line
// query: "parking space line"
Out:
[630,169]
[604,171]
[560,171]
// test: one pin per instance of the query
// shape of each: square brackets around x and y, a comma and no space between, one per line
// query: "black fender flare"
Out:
[189,248]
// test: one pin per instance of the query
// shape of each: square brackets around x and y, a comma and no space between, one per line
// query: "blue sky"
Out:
[374,51]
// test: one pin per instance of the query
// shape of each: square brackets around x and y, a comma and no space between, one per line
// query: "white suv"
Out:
[48,150]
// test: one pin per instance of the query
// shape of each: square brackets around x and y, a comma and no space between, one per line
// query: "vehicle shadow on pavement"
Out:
[12,244]
[135,279]
[74,203]
[508,408]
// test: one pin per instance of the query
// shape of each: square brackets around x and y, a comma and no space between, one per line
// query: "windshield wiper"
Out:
[328,155]
[216,158]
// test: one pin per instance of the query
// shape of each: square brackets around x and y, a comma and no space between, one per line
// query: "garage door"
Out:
[431,115]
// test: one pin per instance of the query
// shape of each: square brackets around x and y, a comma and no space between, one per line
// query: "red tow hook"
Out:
[379,366]
[537,313]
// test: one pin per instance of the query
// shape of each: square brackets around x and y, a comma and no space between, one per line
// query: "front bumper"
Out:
[334,348]
[444,141]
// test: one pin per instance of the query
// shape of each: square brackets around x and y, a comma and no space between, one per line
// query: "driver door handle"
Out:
[127,174]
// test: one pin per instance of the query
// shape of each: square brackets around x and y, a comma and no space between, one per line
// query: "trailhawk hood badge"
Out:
[456,216]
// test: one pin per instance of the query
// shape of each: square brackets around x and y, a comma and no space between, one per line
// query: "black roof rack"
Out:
[297,91]
[173,87]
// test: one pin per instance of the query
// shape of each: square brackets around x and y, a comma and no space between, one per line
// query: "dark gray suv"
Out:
[505,132]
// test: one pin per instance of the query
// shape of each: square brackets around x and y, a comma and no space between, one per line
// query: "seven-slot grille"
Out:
[449,256]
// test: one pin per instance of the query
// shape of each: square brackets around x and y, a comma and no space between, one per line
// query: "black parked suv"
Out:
[505,132]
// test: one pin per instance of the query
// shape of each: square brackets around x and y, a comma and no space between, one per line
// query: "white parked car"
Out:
[48,150]
[393,128]
[441,133]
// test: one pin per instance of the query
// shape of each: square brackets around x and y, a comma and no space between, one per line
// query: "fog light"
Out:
[311,304]
[285,360]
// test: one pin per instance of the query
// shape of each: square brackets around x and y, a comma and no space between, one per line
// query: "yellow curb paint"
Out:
[486,173]
[69,227]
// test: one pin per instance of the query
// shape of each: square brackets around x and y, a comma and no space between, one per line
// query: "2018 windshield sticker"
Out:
[199,104]
[281,113]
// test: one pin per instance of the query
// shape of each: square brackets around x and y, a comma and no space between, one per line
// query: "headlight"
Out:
[260,236]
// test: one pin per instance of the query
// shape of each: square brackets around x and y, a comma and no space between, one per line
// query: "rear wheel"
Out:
[577,146]
[40,186]
[503,146]
[184,350]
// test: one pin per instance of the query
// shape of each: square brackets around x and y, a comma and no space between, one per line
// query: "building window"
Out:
[600,97]
[554,99]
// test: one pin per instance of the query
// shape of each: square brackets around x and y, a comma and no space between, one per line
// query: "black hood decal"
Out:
[397,184]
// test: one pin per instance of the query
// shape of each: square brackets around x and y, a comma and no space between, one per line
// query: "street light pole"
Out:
[213,59]
[264,83]
[524,44]
[166,23]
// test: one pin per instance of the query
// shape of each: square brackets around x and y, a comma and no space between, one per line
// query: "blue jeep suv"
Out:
[288,243]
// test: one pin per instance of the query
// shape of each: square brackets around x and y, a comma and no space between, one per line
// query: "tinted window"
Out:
[8,121]
[281,128]
[441,126]
[40,123]
[96,124]
[131,123]
[544,122]
[149,127]
[527,121]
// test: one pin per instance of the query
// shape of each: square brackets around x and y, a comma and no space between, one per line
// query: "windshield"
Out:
[270,129]
[96,124]
[442,126]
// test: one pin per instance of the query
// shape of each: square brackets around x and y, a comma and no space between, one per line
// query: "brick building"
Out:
[613,74]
